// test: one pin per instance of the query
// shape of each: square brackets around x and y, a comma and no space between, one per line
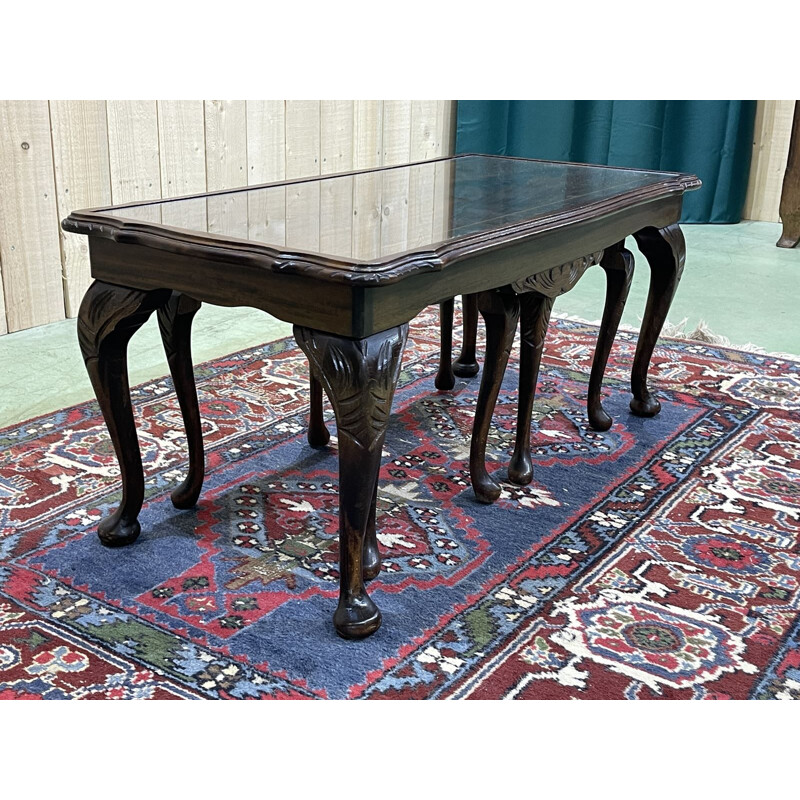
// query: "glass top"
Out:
[383,213]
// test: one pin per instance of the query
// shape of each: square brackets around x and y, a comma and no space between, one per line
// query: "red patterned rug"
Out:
[656,560]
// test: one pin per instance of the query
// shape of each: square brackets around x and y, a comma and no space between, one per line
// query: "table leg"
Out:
[370,554]
[617,262]
[500,312]
[318,434]
[466,365]
[665,251]
[175,323]
[108,317]
[445,379]
[534,321]
[359,377]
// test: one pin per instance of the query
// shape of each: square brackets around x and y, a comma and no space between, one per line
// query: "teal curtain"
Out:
[710,138]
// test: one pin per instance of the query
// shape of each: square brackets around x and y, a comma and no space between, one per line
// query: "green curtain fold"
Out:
[710,138]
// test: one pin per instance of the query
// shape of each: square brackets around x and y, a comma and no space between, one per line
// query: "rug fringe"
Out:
[701,333]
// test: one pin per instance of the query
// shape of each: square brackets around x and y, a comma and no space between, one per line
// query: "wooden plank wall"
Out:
[60,155]
[770,153]
[30,250]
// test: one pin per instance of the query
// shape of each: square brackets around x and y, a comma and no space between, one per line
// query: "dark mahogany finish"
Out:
[665,251]
[359,376]
[535,309]
[108,317]
[318,434]
[500,311]
[445,377]
[466,365]
[617,262]
[533,304]
[499,227]
[175,323]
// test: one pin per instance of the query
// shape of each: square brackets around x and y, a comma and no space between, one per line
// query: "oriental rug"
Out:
[657,560]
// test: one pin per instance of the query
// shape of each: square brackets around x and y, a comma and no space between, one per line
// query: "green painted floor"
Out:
[735,280]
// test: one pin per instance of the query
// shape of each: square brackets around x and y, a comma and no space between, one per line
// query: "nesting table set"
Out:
[320,253]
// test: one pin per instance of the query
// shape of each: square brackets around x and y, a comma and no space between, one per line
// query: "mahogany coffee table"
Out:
[350,259]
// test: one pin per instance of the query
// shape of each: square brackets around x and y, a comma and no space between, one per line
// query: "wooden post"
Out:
[790,196]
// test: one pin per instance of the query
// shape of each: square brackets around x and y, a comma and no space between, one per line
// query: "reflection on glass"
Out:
[381,214]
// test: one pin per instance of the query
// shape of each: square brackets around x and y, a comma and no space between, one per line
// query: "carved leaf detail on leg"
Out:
[359,376]
[108,310]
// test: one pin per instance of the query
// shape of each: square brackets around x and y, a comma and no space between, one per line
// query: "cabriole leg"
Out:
[175,323]
[445,379]
[359,377]
[500,312]
[370,554]
[466,365]
[535,318]
[318,434]
[665,251]
[109,316]
[617,262]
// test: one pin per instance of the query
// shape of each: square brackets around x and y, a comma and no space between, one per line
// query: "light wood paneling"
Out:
[770,151]
[30,251]
[226,165]
[302,160]
[426,137]
[425,143]
[394,192]
[182,160]
[266,162]
[133,154]
[3,320]
[92,153]
[367,153]
[446,125]
[445,130]
[336,155]
[83,180]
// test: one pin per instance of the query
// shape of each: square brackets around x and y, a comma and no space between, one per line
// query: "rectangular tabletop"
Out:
[360,233]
